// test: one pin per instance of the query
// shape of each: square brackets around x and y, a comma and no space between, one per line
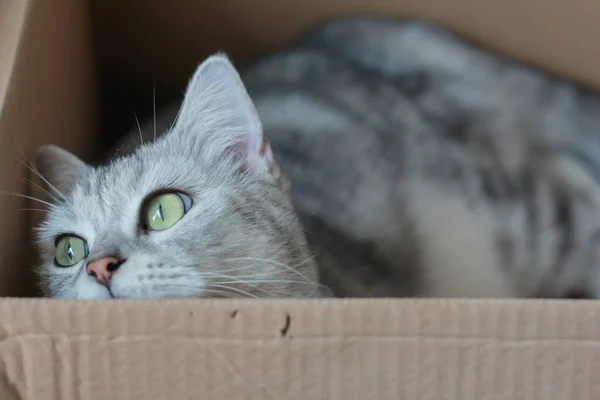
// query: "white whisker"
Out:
[234,289]
[294,270]
[250,266]
[117,150]
[175,120]
[247,266]
[27,197]
[253,279]
[230,282]
[222,293]
[154,106]
[50,195]
[137,121]
[197,291]
[268,281]
[31,166]
[270,292]
[33,169]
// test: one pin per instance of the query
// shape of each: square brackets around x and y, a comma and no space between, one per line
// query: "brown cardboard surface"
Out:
[305,350]
[46,96]
[285,349]
[558,35]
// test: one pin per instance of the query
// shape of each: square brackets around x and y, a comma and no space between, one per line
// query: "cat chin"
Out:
[84,288]
[100,293]
[141,293]
[88,288]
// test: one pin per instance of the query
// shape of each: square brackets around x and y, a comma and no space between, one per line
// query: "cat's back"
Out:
[362,109]
[335,130]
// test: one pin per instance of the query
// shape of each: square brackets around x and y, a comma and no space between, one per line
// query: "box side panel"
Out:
[169,39]
[47,84]
[305,350]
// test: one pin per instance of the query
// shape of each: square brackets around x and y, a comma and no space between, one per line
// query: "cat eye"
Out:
[165,210]
[69,251]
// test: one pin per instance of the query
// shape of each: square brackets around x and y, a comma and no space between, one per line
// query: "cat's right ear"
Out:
[60,168]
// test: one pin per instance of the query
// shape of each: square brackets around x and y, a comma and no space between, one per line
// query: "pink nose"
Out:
[103,269]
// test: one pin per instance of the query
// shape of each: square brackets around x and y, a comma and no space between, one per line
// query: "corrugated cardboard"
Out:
[305,350]
[300,350]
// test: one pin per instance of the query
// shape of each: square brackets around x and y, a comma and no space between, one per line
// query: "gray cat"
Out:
[200,212]
[416,165]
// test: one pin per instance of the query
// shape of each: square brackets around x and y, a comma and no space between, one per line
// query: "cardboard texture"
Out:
[163,41]
[283,349]
[304,350]
[47,95]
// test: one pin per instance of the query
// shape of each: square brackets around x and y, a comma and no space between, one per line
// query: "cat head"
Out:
[200,212]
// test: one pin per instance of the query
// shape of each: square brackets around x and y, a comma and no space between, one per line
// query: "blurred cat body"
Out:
[422,166]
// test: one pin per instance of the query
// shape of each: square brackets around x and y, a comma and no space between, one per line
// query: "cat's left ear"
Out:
[59,168]
[218,108]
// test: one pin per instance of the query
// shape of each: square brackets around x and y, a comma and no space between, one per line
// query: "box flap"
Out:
[300,349]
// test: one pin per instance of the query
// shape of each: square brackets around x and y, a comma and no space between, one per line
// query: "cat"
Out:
[423,166]
[416,164]
[203,211]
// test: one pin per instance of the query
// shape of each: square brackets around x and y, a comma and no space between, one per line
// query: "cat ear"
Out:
[217,107]
[60,168]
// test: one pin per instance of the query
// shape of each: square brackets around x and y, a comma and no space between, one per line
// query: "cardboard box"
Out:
[51,56]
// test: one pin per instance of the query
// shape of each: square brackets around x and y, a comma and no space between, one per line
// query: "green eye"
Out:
[69,251]
[165,210]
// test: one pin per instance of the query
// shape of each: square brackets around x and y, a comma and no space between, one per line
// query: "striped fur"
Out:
[419,165]
[423,166]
